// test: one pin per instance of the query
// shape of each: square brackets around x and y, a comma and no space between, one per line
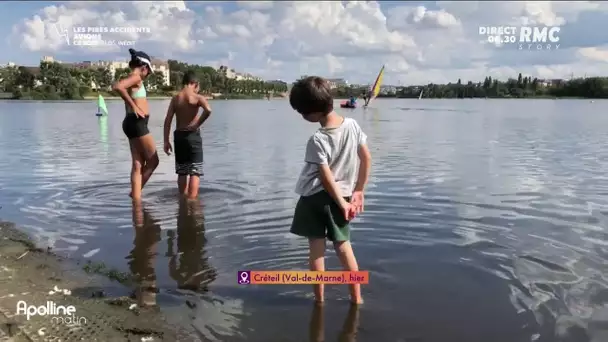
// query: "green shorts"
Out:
[319,216]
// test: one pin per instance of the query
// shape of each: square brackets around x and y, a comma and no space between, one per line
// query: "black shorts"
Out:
[188,153]
[319,216]
[134,127]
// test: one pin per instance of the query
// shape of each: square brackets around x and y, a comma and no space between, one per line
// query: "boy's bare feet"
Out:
[356,301]
[133,198]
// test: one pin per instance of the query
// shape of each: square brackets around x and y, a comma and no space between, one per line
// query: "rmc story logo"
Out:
[525,37]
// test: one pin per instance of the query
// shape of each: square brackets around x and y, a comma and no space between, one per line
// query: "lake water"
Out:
[485,219]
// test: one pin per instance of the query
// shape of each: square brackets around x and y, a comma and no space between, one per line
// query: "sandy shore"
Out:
[36,276]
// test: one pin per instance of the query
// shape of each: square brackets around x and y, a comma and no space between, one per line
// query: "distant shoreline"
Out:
[338,98]
[160,97]
[150,97]
[116,98]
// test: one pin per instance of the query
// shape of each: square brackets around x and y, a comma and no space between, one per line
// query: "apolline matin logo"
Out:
[60,314]
[525,37]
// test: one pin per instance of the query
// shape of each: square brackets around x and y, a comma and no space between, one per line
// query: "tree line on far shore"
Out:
[56,81]
[521,87]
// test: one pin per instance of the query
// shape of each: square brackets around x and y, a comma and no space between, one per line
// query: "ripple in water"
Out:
[498,234]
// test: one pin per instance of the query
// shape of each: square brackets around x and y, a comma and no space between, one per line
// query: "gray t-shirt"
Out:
[337,147]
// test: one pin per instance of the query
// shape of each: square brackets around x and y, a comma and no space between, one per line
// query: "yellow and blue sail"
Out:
[375,89]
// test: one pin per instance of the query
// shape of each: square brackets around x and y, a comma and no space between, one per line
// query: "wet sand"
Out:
[34,275]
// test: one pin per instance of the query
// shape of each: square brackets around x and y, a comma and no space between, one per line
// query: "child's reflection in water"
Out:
[193,272]
[141,263]
[349,329]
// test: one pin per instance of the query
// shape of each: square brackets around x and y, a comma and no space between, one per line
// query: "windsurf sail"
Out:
[375,90]
[419,97]
[101,106]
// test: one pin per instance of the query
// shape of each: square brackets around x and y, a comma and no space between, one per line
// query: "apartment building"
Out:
[388,89]
[229,73]
[337,82]
[549,83]
[247,77]
[158,65]
[277,82]
[162,66]
[49,59]
[232,74]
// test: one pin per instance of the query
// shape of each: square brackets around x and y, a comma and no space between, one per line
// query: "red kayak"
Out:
[346,105]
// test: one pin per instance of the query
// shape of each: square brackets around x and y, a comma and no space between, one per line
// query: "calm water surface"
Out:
[485,220]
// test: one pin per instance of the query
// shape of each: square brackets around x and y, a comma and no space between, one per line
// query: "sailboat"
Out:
[375,90]
[102,110]
[420,97]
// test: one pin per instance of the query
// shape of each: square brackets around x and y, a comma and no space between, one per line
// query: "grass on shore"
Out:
[110,273]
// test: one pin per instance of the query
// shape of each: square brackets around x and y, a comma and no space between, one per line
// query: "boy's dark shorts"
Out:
[188,153]
[319,216]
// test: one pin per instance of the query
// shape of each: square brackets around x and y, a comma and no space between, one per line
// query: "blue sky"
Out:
[419,42]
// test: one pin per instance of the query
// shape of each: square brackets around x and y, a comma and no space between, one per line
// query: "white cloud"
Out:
[401,17]
[418,44]
[256,5]
[594,53]
[42,32]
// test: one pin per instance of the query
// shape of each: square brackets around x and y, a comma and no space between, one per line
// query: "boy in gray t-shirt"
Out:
[332,181]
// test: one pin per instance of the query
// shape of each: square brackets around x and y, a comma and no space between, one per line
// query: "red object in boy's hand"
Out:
[349,211]
[352,213]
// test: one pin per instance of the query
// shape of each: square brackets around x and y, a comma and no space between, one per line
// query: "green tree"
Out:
[121,73]
[7,79]
[519,81]
[59,81]
[25,79]
[155,81]
[102,78]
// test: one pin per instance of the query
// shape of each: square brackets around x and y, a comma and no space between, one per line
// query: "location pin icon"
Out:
[243,277]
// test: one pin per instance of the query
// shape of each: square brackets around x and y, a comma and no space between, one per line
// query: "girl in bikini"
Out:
[135,124]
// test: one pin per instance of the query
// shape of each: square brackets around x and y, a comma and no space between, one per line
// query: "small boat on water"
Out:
[102,110]
[347,105]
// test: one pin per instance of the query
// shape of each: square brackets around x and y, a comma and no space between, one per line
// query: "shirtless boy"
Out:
[187,135]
